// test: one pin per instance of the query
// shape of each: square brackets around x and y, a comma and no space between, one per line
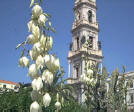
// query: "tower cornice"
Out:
[95,55]
[84,24]
[81,3]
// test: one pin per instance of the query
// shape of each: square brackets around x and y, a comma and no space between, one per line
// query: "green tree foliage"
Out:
[21,101]
[16,100]
[109,93]
[99,97]
[117,93]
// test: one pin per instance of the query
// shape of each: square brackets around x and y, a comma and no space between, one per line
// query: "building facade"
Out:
[8,85]
[85,27]
[130,92]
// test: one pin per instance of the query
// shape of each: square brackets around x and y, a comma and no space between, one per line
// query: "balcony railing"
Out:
[93,52]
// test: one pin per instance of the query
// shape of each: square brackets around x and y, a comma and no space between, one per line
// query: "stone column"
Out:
[101,66]
[83,66]
[83,95]
[69,71]
[69,68]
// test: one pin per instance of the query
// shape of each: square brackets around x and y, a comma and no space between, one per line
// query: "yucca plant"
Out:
[43,67]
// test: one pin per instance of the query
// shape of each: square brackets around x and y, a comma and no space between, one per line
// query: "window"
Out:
[99,45]
[83,40]
[89,16]
[15,87]
[131,85]
[4,86]
[91,42]
[77,41]
[131,98]
[77,72]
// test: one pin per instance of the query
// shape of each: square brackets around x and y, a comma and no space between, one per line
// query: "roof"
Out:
[130,72]
[8,82]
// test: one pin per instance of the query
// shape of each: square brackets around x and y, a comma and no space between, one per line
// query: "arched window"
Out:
[91,42]
[83,40]
[77,41]
[90,16]
[77,72]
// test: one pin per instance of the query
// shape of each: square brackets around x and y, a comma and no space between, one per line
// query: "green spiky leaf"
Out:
[53,30]
[47,15]
[32,3]
[18,46]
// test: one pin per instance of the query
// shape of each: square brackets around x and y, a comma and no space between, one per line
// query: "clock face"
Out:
[83,40]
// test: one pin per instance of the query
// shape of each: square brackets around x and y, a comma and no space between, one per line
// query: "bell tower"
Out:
[85,27]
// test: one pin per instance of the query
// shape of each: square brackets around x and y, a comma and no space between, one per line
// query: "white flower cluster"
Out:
[58,104]
[40,59]
[88,78]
